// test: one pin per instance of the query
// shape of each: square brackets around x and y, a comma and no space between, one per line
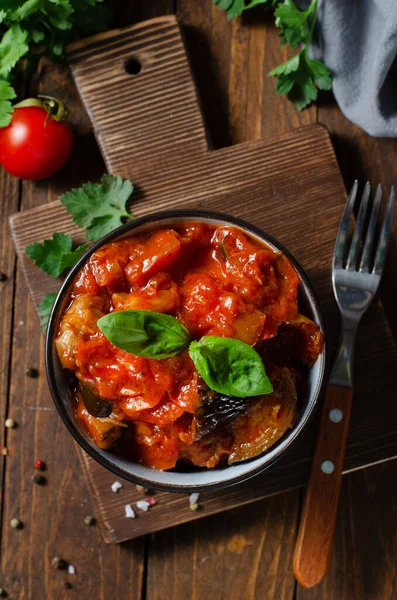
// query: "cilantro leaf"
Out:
[13,46]
[55,255]
[45,309]
[99,207]
[7,93]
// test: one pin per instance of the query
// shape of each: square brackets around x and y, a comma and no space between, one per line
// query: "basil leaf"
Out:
[230,366]
[145,333]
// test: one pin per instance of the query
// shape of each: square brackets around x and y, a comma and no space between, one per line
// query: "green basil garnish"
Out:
[145,333]
[230,367]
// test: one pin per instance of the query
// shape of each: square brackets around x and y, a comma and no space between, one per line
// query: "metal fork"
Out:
[355,278]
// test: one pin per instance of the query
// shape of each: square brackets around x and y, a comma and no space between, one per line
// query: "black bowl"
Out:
[193,479]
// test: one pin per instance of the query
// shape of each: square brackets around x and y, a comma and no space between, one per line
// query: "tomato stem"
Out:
[55,108]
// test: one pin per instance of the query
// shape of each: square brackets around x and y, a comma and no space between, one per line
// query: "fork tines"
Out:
[372,261]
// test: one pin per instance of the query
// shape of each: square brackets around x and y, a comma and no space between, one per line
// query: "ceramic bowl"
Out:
[195,479]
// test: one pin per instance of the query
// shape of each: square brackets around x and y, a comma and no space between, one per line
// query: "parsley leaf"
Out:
[7,93]
[99,207]
[45,309]
[12,47]
[293,22]
[55,255]
[300,77]
[50,23]
[235,8]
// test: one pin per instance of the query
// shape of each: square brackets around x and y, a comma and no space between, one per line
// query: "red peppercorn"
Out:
[39,465]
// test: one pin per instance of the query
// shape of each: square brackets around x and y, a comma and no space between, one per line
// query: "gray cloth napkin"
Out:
[357,40]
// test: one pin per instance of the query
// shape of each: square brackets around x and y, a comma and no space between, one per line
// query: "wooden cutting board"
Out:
[150,129]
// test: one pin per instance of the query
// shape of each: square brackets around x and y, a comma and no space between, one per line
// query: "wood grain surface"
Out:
[230,61]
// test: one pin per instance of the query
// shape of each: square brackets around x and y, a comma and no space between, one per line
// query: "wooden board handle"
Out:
[317,526]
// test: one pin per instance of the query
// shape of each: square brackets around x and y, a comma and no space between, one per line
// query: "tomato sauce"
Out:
[216,281]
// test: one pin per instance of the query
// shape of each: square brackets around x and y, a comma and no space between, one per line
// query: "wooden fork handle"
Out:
[317,526]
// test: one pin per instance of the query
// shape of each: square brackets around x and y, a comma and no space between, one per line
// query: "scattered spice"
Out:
[150,500]
[4,452]
[143,505]
[59,563]
[10,423]
[39,465]
[193,506]
[3,277]
[33,373]
[39,479]
[89,520]
[16,523]
[193,498]
[3,593]
[129,511]
[71,570]
[116,486]
[141,488]
[67,585]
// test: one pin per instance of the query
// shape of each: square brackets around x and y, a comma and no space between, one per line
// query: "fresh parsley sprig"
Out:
[301,77]
[235,8]
[99,207]
[55,255]
[34,28]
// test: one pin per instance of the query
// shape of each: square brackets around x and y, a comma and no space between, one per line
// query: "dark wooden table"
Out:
[242,554]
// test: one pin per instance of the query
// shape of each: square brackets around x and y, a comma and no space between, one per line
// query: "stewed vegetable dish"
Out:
[186,345]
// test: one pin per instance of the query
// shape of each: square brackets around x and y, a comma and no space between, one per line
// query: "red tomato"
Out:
[32,148]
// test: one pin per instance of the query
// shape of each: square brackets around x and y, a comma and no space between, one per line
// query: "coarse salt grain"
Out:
[71,570]
[116,486]
[193,498]
[129,511]
[143,505]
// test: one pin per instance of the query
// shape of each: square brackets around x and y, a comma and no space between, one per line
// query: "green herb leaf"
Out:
[293,22]
[145,333]
[13,46]
[321,75]
[300,77]
[230,366]
[99,207]
[7,93]
[55,255]
[235,8]
[45,309]
[50,23]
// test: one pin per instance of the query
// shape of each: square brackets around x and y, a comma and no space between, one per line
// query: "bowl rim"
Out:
[281,445]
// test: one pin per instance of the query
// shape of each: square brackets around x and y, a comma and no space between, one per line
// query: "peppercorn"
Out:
[59,563]
[141,488]
[30,372]
[67,585]
[39,465]
[16,523]
[10,423]
[3,276]
[3,593]
[39,479]
[89,520]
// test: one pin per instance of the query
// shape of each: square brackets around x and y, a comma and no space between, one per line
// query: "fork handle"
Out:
[317,525]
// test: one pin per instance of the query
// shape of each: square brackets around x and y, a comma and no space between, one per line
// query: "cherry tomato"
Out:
[34,146]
